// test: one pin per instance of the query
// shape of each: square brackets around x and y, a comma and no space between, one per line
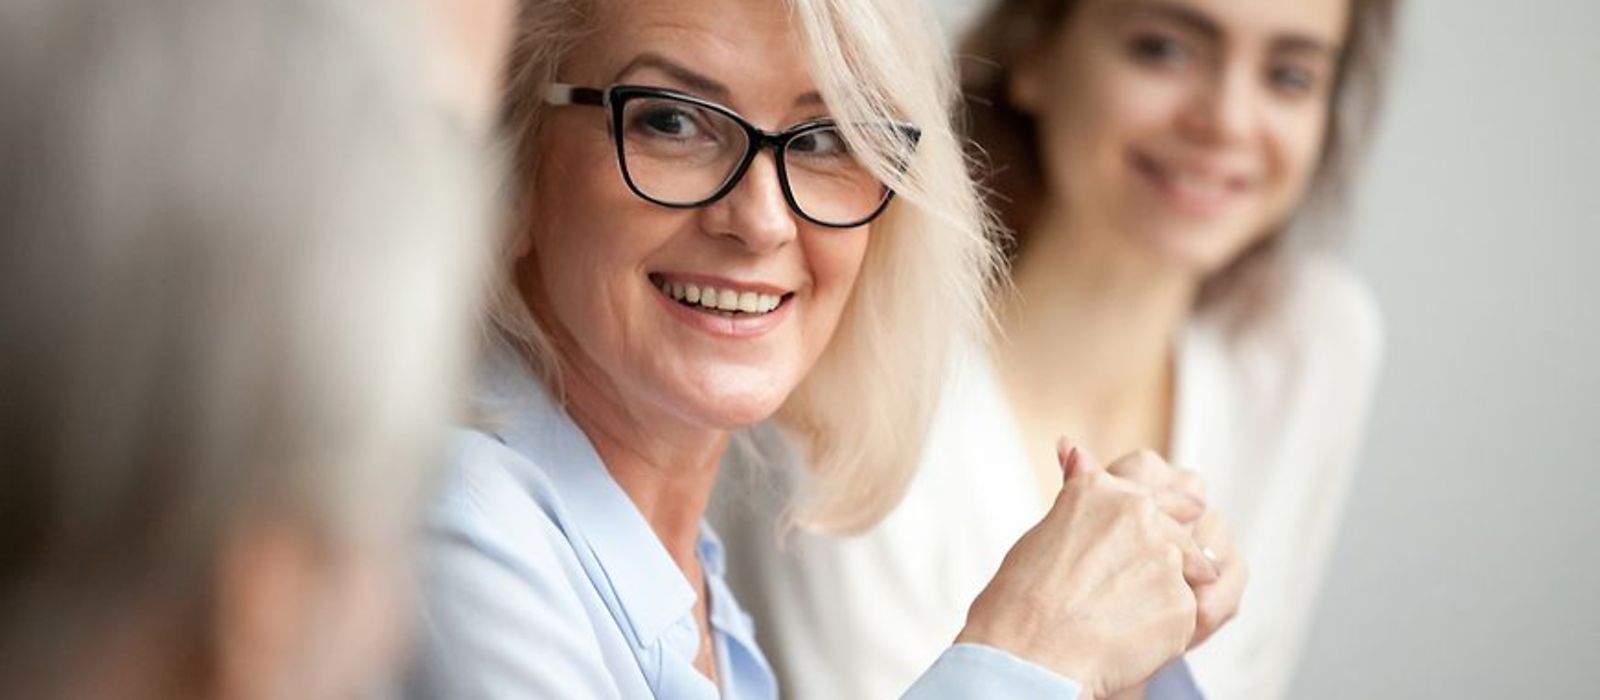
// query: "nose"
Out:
[1223,109]
[755,215]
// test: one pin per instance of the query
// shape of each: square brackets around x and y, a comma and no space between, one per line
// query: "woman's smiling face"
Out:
[1186,129]
[607,271]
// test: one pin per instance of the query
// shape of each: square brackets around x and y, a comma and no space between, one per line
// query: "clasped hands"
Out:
[1127,571]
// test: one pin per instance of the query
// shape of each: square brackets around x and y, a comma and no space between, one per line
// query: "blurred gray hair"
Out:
[239,244]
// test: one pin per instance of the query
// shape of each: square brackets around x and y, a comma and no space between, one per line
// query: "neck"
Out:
[1090,332]
[667,466]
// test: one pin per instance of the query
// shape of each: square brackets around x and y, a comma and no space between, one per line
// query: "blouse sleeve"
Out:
[978,671]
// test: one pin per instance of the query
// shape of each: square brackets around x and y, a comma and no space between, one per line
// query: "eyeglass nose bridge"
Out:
[760,140]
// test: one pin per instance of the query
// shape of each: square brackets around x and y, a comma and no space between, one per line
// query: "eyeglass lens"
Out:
[681,153]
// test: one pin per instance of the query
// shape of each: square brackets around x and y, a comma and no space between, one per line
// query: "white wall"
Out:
[1470,565]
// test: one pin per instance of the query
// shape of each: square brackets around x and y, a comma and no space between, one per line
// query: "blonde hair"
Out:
[238,271]
[862,414]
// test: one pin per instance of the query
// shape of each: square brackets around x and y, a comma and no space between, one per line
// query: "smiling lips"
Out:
[1199,191]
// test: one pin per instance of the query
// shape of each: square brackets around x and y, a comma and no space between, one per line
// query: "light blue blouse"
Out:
[543,580]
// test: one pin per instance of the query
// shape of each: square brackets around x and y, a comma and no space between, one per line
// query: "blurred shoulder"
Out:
[1315,315]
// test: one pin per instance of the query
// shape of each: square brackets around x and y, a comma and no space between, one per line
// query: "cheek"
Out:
[1296,144]
[836,262]
[1097,113]
[834,259]
[587,241]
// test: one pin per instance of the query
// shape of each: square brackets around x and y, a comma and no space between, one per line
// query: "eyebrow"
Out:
[696,82]
[1198,22]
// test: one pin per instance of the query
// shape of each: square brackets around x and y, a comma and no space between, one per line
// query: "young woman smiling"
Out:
[1159,162]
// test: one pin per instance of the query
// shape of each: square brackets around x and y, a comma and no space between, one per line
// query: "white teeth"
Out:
[1198,185]
[721,299]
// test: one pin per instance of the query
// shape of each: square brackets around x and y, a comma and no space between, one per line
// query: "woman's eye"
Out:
[1156,49]
[822,142]
[1293,80]
[668,122]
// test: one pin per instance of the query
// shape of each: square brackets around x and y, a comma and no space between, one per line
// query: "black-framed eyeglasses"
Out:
[680,151]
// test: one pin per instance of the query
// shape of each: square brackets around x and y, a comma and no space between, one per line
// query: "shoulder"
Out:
[487,485]
[498,531]
[498,568]
[1325,299]
[1318,318]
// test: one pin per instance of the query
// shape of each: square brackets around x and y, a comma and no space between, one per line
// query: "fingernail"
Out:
[1067,454]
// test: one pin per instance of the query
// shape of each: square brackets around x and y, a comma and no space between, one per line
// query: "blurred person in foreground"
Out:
[239,244]
[1165,166]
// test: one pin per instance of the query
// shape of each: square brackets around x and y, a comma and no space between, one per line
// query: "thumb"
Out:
[1076,459]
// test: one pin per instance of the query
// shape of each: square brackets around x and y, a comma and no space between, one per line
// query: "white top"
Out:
[1270,414]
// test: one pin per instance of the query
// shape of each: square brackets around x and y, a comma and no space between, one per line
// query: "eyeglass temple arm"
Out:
[563,94]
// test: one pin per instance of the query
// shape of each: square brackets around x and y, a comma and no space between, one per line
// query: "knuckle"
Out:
[1146,459]
[1189,481]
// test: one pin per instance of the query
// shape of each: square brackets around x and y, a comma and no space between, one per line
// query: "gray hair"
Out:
[238,250]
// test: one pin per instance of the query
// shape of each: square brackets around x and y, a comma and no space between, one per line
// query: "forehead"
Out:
[750,46]
[1323,21]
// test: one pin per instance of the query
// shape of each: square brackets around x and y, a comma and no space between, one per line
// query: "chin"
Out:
[1197,248]
[734,398]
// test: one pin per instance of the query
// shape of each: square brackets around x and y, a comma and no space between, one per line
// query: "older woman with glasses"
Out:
[741,217]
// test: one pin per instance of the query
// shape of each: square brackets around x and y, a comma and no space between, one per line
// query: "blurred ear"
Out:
[266,582]
[1025,85]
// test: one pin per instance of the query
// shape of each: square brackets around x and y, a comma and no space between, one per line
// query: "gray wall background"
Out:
[1469,566]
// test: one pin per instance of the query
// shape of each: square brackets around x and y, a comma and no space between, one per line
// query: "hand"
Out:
[1218,602]
[1099,590]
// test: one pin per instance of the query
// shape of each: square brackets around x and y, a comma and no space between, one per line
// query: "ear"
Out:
[266,579]
[1025,84]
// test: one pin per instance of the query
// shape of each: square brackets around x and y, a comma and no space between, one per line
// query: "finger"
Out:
[1075,459]
[1180,506]
[1212,531]
[1188,482]
[1143,466]
[1147,468]
[1218,603]
[1198,569]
